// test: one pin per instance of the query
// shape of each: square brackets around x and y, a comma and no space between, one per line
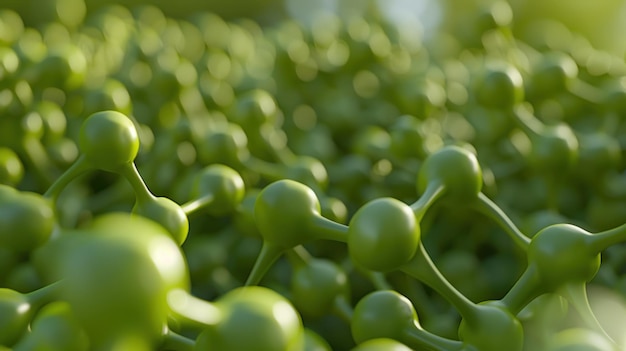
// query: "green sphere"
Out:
[109,140]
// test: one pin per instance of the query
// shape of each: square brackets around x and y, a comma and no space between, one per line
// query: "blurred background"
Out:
[601,22]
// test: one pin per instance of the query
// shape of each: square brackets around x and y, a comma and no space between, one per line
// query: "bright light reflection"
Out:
[167,257]
[23,308]
[416,16]
[285,315]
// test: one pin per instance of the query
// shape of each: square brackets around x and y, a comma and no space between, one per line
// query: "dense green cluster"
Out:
[347,184]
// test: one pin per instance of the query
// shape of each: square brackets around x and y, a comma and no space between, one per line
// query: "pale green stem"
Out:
[422,268]
[576,294]
[378,280]
[586,92]
[130,172]
[191,311]
[525,289]
[38,158]
[269,254]
[433,191]
[487,207]
[197,204]
[343,309]
[324,229]
[79,167]
[527,121]
[267,169]
[298,256]
[421,339]
[44,295]
[600,241]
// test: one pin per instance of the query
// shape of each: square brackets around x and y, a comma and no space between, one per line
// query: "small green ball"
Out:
[562,254]
[254,318]
[109,140]
[15,315]
[11,167]
[283,210]
[501,87]
[455,168]
[382,314]
[225,185]
[317,285]
[26,221]
[381,344]
[492,328]
[383,235]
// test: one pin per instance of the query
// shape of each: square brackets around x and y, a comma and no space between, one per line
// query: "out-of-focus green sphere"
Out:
[602,23]
[37,11]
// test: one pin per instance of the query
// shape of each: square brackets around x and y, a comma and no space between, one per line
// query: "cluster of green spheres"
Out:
[346,183]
